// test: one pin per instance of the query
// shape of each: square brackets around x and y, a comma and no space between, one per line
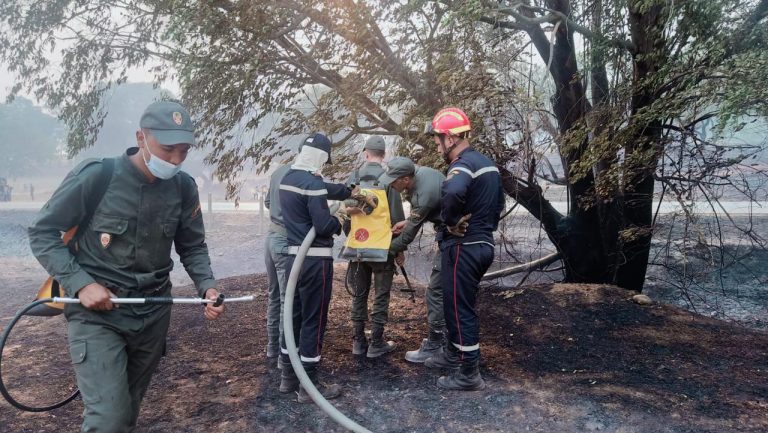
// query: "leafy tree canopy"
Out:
[617,88]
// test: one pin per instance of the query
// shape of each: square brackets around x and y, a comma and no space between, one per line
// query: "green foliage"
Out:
[260,74]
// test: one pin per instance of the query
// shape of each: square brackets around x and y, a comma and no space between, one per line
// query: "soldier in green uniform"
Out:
[125,251]
[421,188]
[360,272]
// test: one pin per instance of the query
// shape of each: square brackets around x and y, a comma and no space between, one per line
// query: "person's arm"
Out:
[415,220]
[337,191]
[412,225]
[65,209]
[325,224]
[454,194]
[190,239]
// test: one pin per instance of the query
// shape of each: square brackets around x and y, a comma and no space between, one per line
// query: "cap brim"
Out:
[173,136]
[386,179]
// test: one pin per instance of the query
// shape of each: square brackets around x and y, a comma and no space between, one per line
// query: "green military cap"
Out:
[397,167]
[169,123]
[375,143]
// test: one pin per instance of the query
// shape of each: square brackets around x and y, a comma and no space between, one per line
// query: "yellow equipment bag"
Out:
[52,289]
[370,235]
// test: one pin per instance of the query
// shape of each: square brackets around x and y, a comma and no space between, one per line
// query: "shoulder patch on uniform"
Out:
[452,173]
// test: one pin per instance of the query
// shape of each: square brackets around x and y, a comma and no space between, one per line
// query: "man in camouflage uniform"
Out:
[125,251]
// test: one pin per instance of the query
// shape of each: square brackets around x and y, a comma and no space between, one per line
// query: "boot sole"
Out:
[410,358]
[459,388]
[415,361]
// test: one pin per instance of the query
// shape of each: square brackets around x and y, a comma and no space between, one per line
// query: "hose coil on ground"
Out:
[3,390]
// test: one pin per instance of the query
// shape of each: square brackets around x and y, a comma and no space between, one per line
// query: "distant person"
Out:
[276,261]
[472,200]
[360,272]
[237,203]
[303,199]
[32,191]
[420,186]
[125,251]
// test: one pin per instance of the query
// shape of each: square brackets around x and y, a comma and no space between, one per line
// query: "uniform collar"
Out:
[135,172]
[458,157]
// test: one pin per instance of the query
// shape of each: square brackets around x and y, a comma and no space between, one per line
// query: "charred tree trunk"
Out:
[600,242]
[576,235]
[647,28]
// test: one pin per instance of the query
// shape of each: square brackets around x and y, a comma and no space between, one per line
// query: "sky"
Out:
[7,80]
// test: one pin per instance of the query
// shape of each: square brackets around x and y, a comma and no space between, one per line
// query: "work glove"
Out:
[341,215]
[364,202]
[461,226]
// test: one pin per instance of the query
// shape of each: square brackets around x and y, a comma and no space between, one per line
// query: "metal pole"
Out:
[210,209]
[261,214]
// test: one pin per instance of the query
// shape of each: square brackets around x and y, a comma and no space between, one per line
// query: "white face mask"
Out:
[159,168]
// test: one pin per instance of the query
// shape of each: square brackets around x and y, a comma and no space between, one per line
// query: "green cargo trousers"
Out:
[114,354]
[434,296]
[360,280]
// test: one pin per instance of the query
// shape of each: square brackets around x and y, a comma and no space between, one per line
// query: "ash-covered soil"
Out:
[557,358]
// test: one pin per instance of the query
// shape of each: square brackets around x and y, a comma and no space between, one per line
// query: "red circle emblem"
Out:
[361,235]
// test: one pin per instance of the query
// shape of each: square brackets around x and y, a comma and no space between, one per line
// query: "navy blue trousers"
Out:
[462,268]
[310,306]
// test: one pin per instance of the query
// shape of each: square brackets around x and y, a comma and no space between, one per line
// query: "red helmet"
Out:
[450,121]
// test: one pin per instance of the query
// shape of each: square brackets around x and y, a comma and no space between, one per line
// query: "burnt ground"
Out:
[557,358]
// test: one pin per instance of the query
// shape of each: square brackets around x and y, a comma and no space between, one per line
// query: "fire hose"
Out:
[290,343]
[293,354]
[147,301]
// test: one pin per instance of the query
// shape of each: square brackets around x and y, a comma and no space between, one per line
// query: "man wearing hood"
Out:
[304,201]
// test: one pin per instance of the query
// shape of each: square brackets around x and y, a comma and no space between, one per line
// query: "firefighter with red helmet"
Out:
[472,200]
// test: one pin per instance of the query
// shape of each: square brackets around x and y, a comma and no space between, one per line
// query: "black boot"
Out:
[378,346]
[288,380]
[466,378]
[328,391]
[448,357]
[359,342]
[429,347]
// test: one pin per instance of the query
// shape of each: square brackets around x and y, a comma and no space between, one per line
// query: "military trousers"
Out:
[359,277]
[434,296]
[276,260]
[464,266]
[114,354]
[310,306]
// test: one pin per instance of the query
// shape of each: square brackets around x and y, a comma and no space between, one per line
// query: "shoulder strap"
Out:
[105,177]
[185,191]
